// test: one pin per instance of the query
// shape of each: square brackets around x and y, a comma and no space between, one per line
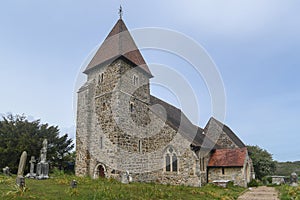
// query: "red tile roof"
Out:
[119,43]
[228,157]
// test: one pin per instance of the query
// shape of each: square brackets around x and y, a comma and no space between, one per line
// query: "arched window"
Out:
[101,142]
[174,163]
[100,78]
[171,160]
[135,80]
[168,166]
[131,107]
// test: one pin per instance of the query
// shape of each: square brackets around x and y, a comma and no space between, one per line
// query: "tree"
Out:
[17,134]
[263,162]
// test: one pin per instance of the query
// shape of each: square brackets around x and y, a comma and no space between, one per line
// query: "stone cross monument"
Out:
[42,169]
[31,172]
[20,178]
[44,151]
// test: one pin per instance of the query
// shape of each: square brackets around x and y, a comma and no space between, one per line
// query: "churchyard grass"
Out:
[59,188]
[288,192]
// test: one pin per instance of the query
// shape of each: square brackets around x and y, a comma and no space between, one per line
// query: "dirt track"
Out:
[260,193]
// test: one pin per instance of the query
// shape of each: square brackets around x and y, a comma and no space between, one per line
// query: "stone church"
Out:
[122,128]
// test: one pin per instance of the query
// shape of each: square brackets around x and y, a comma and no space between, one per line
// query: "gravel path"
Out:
[260,193]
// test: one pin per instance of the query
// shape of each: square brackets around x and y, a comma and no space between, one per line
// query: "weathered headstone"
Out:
[42,168]
[6,171]
[31,172]
[20,178]
[294,179]
[126,178]
[73,184]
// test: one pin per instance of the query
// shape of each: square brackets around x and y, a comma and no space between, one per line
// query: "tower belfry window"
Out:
[100,78]
[131,107]
[135,80]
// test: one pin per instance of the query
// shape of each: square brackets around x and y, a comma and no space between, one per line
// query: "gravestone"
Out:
[73,184]
[20,178]
[6,171]
[32,161]
[126,178]
[294,179]
[42,168]
[31,173]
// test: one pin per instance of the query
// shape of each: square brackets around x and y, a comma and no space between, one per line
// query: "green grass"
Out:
[288,192]
[59,188]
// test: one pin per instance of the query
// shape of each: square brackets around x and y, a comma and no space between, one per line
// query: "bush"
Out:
[267,180]
[254,183]
[57,173]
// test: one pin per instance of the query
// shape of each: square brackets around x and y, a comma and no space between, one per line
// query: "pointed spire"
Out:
[119,43]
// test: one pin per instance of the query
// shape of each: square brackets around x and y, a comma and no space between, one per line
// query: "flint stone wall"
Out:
[111,134]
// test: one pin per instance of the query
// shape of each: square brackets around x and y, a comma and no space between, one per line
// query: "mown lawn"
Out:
[59,188]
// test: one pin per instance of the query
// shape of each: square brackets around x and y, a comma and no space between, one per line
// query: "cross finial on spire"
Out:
[120,12]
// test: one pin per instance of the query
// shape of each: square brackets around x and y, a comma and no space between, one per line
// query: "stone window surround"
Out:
[101,77]
[80,157]
[140,146]
[95,175]
[171,155]
[101,142]
[131,106]
[135,80]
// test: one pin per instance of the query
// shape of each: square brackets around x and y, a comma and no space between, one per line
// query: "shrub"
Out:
[253,183]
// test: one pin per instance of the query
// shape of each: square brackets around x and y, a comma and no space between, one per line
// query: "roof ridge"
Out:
[183,125]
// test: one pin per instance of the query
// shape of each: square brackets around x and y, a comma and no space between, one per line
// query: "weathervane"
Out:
[120,12]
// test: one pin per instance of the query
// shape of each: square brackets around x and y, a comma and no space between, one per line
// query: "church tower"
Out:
[113,104]
[122,128]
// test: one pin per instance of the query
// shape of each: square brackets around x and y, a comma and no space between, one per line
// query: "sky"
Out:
[255,46]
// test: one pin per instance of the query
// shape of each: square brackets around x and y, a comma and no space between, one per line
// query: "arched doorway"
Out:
[99,171]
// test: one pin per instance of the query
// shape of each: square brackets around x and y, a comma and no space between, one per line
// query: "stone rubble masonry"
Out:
[119,138]
[216,134]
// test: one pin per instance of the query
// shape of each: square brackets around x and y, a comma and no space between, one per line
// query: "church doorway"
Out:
[99,171]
